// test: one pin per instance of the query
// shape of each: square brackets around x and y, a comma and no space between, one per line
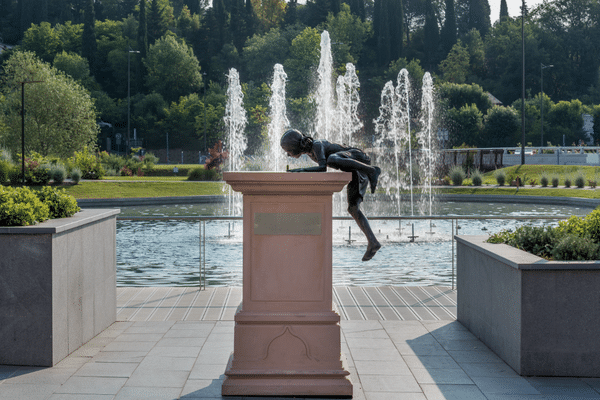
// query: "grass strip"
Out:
[552,192]
[118,189]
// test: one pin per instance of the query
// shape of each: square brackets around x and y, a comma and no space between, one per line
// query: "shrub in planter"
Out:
[580,180]
[20,207]
[575,248]
[555,181]
[476,177]
[60,204]
[202,174]
[500,177]
[76,175]
[567,181]
[58,173]
[544,180]
[457,175]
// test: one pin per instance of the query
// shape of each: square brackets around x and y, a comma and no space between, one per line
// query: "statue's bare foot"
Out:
[371,250]
[373,181]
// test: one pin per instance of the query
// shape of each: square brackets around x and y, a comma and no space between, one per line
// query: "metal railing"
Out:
[453,218]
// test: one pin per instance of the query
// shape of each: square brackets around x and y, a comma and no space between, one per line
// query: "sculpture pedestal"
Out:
[287,336]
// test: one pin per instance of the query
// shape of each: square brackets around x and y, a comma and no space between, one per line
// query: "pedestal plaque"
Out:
[287,335]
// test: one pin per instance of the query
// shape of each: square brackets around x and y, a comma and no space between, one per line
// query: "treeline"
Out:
[172,57]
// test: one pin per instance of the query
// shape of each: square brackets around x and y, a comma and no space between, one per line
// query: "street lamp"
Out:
[542,67]
[129,92]
[23,126]
[523,84]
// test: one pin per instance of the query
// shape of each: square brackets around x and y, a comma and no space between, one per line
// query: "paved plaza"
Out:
[174,343]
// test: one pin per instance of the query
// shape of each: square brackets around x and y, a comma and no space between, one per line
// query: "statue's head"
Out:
[293,143]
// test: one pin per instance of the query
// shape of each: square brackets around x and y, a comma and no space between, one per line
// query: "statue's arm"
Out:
[319,153]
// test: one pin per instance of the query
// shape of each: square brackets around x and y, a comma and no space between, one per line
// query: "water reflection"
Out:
[166,253]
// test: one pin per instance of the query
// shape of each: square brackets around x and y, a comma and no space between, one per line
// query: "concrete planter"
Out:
[57,286]
[541,317]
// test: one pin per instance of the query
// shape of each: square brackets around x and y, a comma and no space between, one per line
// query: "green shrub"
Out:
[5,155]
[58,173]
[457,175]
[111,161]
[500,176]
[60,204]
[202,174]
[76,175]
[533,239]
[575,248]
[88,164]
[5,169]
[555,180]
[567,181]
[580,180]
[14,176]
[21,207]
[476,177]
[544,180]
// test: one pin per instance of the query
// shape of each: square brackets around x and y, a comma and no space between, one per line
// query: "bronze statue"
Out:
[348,159]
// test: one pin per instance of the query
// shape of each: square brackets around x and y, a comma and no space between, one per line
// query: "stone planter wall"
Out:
[57,286]
[541,317]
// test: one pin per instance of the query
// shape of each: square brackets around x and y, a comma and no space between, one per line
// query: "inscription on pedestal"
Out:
[287,224]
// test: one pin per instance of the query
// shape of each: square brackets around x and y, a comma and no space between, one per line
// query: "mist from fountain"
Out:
[348,99]
[279,121]
[428,146]
[235,123]
[324,95]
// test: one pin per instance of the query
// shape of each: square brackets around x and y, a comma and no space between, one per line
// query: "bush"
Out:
[5,169]
[5,155]
[567,181]
[36,173]
[580,180]
[60,204]
[58,173]
[476,178]
[88,164]
[575,248]
[76,175]
[21,207]
[533,239]
[202,174]
[544,180]
[500,176]
[457,175]
[555,181]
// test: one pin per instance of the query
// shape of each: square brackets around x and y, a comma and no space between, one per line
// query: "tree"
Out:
[76,67]
[464,125]
[349,33]
[456,65]
[448,33]
[142,36]
[89,47]
[43,40]
[61,117]
[180,122]
[304,56]
[457,96]
[503,10]
[262,52]
[173,70]
[565,118]
[431,41]
[161,16]
[501,127]
[596,116]
[479,16]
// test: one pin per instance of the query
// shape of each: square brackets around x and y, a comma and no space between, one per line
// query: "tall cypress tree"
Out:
[157,26]
[503,10]
[250,17]
[396,25]
[142,44]
[431,40]
[89,46]
[479,16]
[383,33]
[449,33]
[291,13]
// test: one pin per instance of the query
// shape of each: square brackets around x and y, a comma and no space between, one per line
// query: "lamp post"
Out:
[23,126]
[542,67]
[129,92]
[523,84]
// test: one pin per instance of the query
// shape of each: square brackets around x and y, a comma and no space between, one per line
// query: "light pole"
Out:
[523,84]
[129,92]
[23,126]
[542,67]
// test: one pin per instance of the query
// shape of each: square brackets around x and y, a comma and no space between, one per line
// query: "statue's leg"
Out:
[339,161]
[356,189]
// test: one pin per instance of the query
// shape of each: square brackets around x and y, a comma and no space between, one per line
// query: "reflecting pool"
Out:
[167,253]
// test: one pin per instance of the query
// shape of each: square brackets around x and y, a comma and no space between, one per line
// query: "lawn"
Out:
[120,189]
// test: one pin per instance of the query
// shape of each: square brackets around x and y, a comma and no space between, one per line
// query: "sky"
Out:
[514,7]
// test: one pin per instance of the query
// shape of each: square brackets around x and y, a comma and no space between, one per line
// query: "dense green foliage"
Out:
[23,206]
[159,66]
[574,239]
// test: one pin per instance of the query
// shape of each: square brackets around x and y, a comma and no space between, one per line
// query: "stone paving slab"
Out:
[387,360]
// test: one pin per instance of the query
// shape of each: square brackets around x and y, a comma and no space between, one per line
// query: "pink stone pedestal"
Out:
[287,336]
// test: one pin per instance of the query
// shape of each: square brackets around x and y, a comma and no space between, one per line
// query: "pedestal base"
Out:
[286,354]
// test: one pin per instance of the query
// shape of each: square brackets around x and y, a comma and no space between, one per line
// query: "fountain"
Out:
[324,95]
[427,143]
[279,122]
[235,122]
